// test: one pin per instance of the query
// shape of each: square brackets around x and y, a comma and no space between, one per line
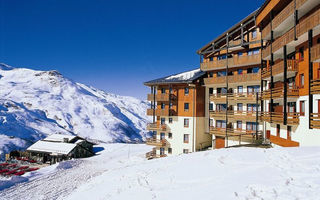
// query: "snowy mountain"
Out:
[34,104]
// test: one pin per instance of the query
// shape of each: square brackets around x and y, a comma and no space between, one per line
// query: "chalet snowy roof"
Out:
[59,137]
[52,147]
[184,77]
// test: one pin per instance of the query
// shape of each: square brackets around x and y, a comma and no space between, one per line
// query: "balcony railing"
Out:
[157,127]
[315,120]
[277,69]
[237,97]
[315,86]
[235,115]
[315,53]
[156,142]
[278,117]
[162,112]
[161,97]
[282,16]
[251,77]
[232,62]
[279,93]
[230,132]
[302,27]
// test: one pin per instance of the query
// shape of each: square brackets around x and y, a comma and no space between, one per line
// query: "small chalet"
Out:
[58,147]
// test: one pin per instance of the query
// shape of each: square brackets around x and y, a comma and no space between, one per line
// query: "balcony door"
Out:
[162,136]
[220,124]
[253,89]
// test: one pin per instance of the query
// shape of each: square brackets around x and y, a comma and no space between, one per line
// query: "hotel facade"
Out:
[258,82]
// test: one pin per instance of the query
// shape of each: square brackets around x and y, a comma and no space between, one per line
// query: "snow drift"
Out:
[34,104]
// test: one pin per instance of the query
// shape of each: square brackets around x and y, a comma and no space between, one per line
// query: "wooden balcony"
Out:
[234,97]
[251,77]
[235,134]
[278,117]
[161,97]
[315,120]
[315,86]
[221,115]
[157,142]
[279,93]
[315,53]
[235,115]
[277,69]
[232,62]
[281,17]
[151,154]
[157,127]
[302,27]
[162,112]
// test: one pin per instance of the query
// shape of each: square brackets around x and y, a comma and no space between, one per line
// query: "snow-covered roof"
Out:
[52,147]
[184,77]
[59,137]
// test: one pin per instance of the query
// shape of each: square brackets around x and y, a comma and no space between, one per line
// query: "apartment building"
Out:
[177,108]
[290,71]
[233,77]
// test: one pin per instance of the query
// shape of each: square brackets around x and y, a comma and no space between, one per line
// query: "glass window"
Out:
[210,90]
[255,70]
[240,71]
[163,90]
[301,53]
[240,89]
[170,105]
[221,107]
[251,126]
[161,151]
[186,138]
[185,150]
[170,135]
[186,91]
[210,106]
[301,80]
[221,73]
[254,34]
[251,107]
[170,120]
[162,136]
[239,107]
[163,106]
[221,124]
[163,121]
[170,90]
[240,54]
[186,122]
[186,106]
[211,58]
[302,108]
[253,89]
[239,124]
[169,150]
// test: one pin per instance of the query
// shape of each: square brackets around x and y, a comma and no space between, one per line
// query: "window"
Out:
[249,70]
[239,125]
[170,120]
[210,106]
[163,90]
[240,89]
[170,135]
[222,90]
[221,124]
[230,73]
[169,150]
[163,121]
[254,34]
[291,107]
[302,108]
[186,106]
[163,106]
[162,136]
[240,54]
[221,107]
[170,90]
[318,41]
[278,130]
[222,57]
[256,51]
[170,105]
[210,90]
[161,151]
[251,126]
[185,150]
[253,89]
[255,70]
[186,122]
[301,54]
[221,73]
[186,138]
[251,107]
[211,58]
[301,80]
[210,74]
[186,91]
[289,132]
[239,107]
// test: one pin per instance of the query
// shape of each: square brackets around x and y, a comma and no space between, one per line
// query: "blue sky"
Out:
[113,45]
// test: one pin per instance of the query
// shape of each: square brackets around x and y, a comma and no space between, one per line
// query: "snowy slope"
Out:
[34,104]
[122,172]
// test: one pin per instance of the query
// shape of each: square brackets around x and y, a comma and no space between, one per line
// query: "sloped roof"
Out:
[184,77]
[59,137]
[52,147]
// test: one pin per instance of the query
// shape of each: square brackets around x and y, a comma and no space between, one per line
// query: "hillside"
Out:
[34,104]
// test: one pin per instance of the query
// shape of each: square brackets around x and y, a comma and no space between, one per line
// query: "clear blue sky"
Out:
[113,45]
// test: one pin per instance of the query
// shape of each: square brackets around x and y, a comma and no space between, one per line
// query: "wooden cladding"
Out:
[237,97]
[315,86]
[277,69]
[161,97]
[252,77]
[315,120]
[157,142]
[157,127]
[162,112]
[315,53]
[278,117]
[282,16]
[235,115]
[230,132]
[232,62]
[302,27]
[279,93]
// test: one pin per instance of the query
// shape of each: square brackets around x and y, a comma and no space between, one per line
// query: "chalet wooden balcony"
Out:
[221,115]
[287,12]
[315,53]
[251,77]
[157,127]
[156,142]
[234,116]
[279,93]
[278,117]
[161,97]
[302,27]
[232,62]
[234,97]
[315,120]
[245,135]
[315,86]
[151,154]
[162,112]
[277,69]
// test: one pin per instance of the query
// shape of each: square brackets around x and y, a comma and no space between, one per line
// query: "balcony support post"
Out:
[154,104]
[285,88]
[257,111]
[227,84]
[310,43]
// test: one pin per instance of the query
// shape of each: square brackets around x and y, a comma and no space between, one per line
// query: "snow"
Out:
[120,171]
[35,104]
[59,137]
[52,147]
[185,75]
